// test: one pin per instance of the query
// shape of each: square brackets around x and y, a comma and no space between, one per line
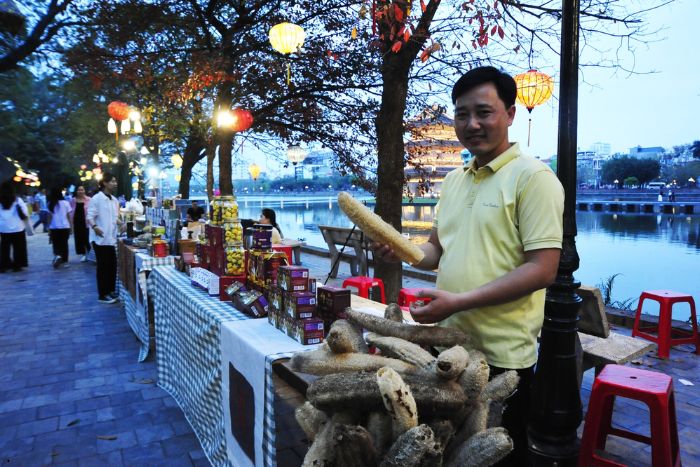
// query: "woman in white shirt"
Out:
[60,226]
[12,225]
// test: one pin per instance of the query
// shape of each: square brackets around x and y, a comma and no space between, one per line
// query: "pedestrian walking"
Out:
[60,227]
[42,209]
[81,232]
[103,219]
[13,213]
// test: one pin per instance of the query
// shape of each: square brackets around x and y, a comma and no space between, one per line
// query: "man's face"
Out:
[112,184]
[482,121]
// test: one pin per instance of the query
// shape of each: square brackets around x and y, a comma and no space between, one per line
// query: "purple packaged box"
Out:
[293,278]
[300,305]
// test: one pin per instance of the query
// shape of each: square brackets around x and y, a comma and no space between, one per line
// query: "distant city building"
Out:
[647,153]
[433,150]
[601,149]
[318,163]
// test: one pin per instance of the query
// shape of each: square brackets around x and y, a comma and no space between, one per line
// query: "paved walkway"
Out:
[71,390]
[72,393]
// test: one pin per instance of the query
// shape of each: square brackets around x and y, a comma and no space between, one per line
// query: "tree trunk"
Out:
[390,168]
[225,137]
[196,141]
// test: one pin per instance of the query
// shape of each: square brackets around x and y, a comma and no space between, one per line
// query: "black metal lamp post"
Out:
[556,403]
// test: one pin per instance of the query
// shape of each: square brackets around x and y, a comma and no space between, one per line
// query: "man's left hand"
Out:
[443,305]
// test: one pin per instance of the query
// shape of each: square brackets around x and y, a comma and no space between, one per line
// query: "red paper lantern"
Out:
[118,110]
[242,120]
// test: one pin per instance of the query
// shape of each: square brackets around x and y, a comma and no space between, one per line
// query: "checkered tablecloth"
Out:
[188,332]
[137,309]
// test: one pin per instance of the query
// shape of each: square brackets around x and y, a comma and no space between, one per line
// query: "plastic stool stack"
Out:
[652,388]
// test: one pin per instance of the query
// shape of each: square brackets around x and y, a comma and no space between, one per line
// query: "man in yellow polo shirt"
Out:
[495,241]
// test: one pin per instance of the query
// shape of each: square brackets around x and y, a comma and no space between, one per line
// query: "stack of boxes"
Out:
[292,306]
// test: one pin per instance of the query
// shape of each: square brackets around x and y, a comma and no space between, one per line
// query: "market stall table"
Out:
[134,267]
[188,330]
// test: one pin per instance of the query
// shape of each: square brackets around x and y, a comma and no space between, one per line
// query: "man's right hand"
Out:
[98,231]
[384,252]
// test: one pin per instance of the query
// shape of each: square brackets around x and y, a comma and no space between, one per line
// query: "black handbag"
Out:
[21,213]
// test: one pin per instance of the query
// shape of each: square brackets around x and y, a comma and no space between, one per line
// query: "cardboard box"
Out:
[275,296]
[331,303]
[293,278]
[186,246]
[307,331]
[263,266]
[300,305]
[252,303]
[225,282]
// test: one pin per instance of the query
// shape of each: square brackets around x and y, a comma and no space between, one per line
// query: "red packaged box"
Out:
[216,236]
[251,302]
[273,316]
[331,303]
[307,331]
[216,260]
[300,305]
[203,255]
[293,278]
[225,282]
[275,296]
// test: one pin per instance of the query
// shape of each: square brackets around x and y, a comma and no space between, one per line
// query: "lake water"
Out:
[648,251]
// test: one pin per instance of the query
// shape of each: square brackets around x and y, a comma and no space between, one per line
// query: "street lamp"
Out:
[617,183]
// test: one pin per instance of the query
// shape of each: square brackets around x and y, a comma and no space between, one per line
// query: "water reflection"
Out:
[649,251]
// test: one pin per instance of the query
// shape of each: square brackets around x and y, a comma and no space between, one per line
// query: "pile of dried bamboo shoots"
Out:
[405,407]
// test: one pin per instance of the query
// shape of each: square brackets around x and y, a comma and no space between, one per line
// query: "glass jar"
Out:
[229,209]
[215,211]
[233,233]
[234,261]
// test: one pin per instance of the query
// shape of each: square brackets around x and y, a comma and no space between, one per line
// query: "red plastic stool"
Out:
[664,333]
[363,284]
[652,388]
[408,296]
[286,249]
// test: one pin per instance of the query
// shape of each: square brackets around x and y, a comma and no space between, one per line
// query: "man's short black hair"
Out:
[505,84]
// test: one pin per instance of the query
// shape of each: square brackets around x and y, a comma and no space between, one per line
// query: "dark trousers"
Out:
[80,236]
[516,416]
[106,256]
[43,220]
[17,242]
[59,240]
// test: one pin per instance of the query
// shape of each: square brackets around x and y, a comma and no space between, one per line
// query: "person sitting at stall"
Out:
[195,212]
[269,217]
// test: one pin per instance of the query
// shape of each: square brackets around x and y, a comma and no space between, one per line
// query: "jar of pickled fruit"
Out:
[229,209]
[215,211]
[233,233]
[235,261]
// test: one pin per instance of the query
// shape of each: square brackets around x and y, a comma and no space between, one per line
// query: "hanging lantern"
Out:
[287,38]
[118,110]
[176,159]
[111,126]
[534,88]
[296,154]
[254,170]
[125,127]
[178,177]
[242,119]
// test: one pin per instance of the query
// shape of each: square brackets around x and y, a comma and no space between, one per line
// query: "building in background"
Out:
[654,153]
[433,151]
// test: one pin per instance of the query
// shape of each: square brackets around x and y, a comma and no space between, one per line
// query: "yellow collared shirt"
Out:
[486,219]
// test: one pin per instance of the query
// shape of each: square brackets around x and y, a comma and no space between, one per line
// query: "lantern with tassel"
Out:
[287,38]
[534,88]
[254,170]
